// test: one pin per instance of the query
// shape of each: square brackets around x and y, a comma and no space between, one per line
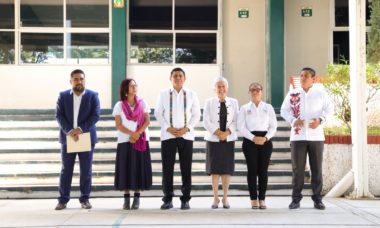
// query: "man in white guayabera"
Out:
[306,109]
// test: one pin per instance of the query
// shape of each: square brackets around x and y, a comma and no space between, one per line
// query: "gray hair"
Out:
[256,85]
[220,79]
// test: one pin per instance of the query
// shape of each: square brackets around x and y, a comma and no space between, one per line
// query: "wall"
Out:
[152,79]
[244,46]
[306,38]
[337,161]
[37,87]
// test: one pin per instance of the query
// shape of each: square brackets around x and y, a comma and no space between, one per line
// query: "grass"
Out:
[342,130]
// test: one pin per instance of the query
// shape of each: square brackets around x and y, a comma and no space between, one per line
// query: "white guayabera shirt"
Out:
[307,106]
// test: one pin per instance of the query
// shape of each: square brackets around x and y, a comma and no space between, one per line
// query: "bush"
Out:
[337,85]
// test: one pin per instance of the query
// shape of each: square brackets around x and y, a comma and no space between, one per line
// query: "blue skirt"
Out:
[133,169]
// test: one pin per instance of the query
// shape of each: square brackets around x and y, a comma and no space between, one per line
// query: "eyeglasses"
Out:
[255,90]
[134,86]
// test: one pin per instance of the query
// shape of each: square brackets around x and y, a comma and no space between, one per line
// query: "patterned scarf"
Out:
[137,115]
[295,104]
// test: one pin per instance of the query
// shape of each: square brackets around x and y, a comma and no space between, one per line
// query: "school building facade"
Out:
[246,41]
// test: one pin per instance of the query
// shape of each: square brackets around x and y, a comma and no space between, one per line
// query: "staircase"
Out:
[30,159]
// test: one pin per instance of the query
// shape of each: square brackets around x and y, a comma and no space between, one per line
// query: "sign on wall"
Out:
[118,3]
[306,12]
[243,13]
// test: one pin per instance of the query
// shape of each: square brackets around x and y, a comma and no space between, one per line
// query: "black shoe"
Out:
[319,205]
[86,205]
[60,206]
[126,205]
[136,203]
[167,205]
[294,205]
[185,205]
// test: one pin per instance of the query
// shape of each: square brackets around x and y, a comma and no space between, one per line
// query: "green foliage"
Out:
[337,85]
[152,55]
[344,130]
[373,50]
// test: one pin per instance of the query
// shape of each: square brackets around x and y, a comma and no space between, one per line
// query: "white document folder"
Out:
[82,145]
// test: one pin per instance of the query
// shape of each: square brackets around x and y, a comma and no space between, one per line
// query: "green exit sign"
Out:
[306,12]
[243,13]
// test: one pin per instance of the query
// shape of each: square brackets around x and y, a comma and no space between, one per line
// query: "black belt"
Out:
[259,133]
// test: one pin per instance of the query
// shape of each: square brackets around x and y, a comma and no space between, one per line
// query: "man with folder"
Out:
[77,112]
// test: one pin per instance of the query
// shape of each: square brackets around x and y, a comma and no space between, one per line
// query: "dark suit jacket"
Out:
[89,114]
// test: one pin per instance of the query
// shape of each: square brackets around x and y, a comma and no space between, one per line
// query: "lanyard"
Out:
[171,108]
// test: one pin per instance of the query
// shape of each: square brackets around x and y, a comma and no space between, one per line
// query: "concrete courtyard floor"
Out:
[107,212]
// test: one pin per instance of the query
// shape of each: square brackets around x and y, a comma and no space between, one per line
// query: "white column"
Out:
[357,22]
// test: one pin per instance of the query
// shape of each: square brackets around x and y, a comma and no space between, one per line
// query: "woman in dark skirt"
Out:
[257,123]
[219,119]
[133,168]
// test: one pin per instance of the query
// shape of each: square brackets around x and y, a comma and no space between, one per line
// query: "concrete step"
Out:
[37,145]
[53,180]
[39,169]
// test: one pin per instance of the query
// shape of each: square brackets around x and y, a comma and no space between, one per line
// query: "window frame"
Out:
[19,29]
[173,31]
[335,28]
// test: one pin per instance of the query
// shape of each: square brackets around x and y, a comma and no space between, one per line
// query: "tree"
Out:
[373,50]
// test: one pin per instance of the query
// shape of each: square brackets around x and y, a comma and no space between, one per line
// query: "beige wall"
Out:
[37,87]
[244,46]
[306,38]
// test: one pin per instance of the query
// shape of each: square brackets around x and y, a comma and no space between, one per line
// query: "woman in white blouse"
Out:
[219,119]
[133,169]
[257,123]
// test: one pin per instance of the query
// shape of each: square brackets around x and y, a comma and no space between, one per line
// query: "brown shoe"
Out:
[60,206]
[86,205]
[262,204]
[254,204]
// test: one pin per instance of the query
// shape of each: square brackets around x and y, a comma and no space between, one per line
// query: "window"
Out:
[41,13]
[87,48]
[341,44]
[7,14]
[84,13]
[7,47]
[173,31]
[42,35]
[151,48]
[42,48]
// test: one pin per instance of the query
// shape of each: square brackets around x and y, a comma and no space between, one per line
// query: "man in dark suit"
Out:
[77,112]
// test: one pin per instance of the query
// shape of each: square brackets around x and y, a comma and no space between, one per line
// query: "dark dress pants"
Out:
[169,148]
[66,176]
[299,150]
[257,158]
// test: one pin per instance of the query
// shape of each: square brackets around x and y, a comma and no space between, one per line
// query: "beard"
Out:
[78,88]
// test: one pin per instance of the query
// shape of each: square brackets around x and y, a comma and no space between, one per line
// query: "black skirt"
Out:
[133,169]
[220,158]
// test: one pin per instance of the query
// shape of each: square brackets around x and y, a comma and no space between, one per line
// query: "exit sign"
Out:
[243,13]
[306,12]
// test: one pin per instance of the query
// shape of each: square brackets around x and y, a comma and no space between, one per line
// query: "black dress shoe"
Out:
[185,205]
[126,205]
[294,205]
[167,205]
[60,206]
[136,203]
[319,205]
[86,205]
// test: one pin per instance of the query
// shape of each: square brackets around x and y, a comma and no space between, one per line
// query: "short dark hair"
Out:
[310,70]
[177,69]
[124,88]
[77,71]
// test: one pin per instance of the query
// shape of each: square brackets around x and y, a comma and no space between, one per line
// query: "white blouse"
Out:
[211,118]
[261,118]
[118,111]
